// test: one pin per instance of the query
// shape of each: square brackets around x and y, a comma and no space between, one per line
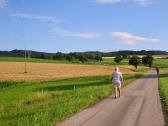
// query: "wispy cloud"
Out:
[83,35]
[108,1]
[132,39]
[139,2]
[144,2]
[3,3]
[36,17]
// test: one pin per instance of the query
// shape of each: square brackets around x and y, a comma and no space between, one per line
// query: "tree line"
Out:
[83,57]
[20,53]
[89,56]
[135,60]
[76,56]
[130,52]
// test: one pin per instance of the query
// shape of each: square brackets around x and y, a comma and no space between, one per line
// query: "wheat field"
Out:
[14,71]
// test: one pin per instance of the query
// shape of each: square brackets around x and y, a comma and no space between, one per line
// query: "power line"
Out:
[23,36]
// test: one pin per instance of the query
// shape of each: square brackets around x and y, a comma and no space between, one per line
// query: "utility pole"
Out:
[25,62]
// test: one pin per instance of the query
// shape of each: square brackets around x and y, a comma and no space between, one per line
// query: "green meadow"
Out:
[163,63]
[21,59]
[44,103]
[36,60]
[164,91]
[157,62]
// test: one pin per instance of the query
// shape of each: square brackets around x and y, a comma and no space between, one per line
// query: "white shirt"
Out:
[117,76]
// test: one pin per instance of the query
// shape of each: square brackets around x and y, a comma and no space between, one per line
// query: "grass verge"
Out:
[44,103]
[164,92]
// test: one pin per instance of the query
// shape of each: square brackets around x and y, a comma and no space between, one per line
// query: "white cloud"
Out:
[132,39]
[144,2]
[3,3]
[107,1]
[36,17]
[83,35]
[139,2]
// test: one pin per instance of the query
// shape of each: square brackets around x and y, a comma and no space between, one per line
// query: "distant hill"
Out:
[142,52]
[35,54]
[21,53]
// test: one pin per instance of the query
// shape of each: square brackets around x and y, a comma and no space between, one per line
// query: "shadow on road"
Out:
[154,76]
[91,84]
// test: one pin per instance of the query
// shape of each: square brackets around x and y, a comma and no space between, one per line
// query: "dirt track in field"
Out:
[14,71]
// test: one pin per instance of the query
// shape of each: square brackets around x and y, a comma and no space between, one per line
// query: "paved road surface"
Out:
[139,106]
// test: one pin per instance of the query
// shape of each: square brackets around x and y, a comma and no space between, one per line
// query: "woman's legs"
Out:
[116,92]
[119,91]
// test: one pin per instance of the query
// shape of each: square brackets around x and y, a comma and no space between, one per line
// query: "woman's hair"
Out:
[116,69]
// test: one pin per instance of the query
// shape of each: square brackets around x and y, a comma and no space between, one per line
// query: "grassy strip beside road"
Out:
[41,104]
[164,92]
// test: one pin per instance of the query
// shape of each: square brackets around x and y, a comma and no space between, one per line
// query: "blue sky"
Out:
[83,25]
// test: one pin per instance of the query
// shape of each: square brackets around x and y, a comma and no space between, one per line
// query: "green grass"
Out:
[44,103]
[163,63]
[164,92]
[109,62]
[21,59]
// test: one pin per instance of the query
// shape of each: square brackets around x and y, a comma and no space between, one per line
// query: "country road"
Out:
[139,106]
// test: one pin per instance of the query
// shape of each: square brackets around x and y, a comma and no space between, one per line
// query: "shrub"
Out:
[135,61]
[118,59]
[59,56]
[148,60]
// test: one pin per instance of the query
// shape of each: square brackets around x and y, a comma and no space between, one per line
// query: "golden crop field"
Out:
[14,71]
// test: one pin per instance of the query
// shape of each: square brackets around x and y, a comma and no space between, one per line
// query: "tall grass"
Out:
[164,92]
[44,103]
[42,95]
[1,108]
